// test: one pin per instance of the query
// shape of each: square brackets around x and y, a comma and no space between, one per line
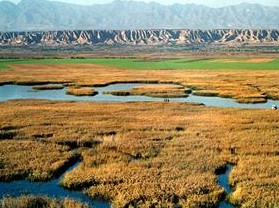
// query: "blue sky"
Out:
[211,3]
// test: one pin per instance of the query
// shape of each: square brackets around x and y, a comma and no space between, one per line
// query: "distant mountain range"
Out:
[141,37]
[41,15]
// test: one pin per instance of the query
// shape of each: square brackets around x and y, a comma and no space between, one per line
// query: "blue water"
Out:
[50,188]
[10,92]
[225,204]
[223,180]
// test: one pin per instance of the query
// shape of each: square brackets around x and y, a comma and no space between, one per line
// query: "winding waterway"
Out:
[53,189]
[49,188]
[10,92]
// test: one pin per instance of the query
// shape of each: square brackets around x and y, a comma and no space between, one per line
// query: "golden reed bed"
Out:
[147,153]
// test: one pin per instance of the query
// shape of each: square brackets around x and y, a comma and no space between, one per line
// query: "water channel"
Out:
[53,189]
[50,188]
[10,92]
[223,181]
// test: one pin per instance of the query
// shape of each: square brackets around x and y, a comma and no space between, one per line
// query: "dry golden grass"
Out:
[157,90]
[256,185]
[244,86]
[81,91]
[207,93]
[39,201]
[31,159]
[151,153]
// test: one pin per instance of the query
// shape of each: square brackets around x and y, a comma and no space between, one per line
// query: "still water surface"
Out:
[10,92]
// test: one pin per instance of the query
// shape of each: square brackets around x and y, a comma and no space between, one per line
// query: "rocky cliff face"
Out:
[140,37]
[44,15]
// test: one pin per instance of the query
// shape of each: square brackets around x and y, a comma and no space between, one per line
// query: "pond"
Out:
[10,92]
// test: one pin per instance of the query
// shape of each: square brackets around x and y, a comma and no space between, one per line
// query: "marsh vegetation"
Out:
[246,86]
[149,153]
[35,201]
[155,90]
[81,91]
[144,154]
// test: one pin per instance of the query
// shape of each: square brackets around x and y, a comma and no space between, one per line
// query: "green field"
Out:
[182,63]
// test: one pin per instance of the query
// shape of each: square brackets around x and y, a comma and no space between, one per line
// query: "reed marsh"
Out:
[146,153]
[155,90]
[245,86]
